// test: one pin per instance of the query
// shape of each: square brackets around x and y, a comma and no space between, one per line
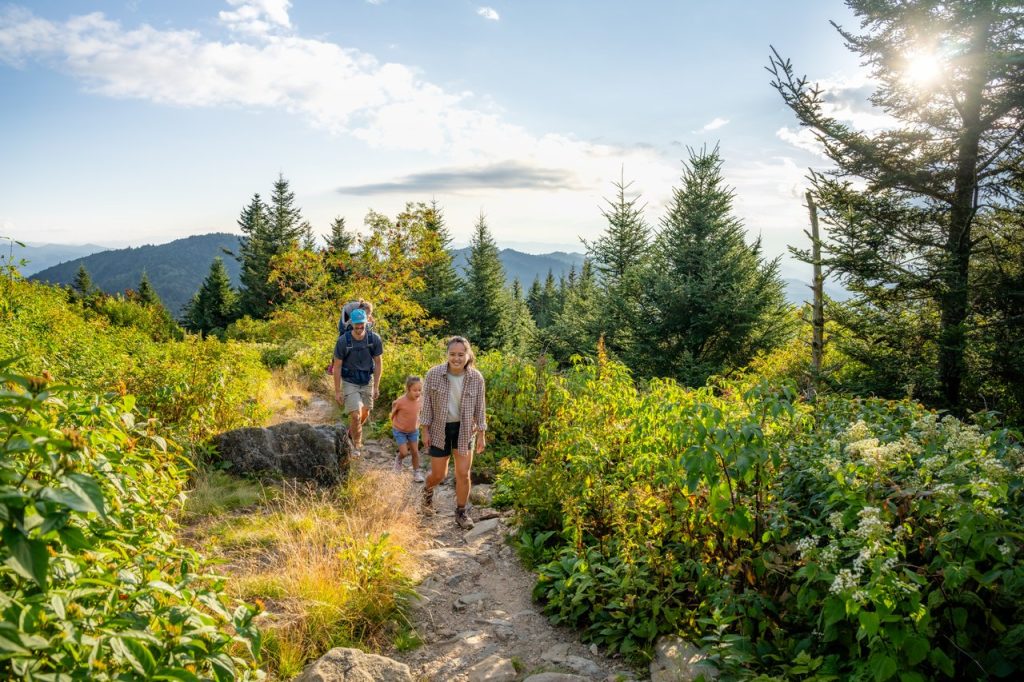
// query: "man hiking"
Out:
[357,369]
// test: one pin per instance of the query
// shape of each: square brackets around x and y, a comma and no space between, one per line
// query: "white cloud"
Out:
[714,124]
[341,90]
[488,13]
[845,98]
[257,17]
[801,138]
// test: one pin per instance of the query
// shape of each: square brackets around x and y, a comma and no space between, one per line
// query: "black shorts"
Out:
[451,440]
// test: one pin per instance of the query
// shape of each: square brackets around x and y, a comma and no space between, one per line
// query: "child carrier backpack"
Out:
[345,325]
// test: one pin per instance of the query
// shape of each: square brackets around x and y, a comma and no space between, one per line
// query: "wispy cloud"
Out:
[847,99]
[257,17]
[714,124]
[489,13]
[504,175]
[341,90]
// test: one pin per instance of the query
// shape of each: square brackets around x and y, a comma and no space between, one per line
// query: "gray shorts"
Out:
[357,397]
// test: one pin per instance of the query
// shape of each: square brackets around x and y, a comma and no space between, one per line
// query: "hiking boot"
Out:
[427,501]
[462,518]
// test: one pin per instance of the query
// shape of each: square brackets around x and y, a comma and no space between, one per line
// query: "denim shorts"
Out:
[403,437]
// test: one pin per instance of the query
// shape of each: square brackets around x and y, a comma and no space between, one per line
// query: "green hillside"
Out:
[176,269]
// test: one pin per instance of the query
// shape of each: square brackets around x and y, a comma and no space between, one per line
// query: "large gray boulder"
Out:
[352,665]
[290,449]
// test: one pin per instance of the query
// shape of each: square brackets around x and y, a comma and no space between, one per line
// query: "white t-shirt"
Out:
[455,383]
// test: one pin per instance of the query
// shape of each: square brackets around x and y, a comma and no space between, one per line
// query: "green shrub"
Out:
[92,585]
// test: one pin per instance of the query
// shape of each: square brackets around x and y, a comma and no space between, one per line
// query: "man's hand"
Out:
[376,392]
[339,398]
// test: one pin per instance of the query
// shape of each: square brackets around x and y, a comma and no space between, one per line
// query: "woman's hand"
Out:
[481,441]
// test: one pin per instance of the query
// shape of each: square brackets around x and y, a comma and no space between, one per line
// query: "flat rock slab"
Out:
[352,665]
[494,668]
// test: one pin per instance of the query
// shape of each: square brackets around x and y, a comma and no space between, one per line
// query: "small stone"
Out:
[556,677]
[480,529]
[555,653]
[594,650]
[494,668]
[676,660]
[469,600]
[584,666]
[454,580]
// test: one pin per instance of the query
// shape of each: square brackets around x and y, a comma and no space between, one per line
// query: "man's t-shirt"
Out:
[357,356]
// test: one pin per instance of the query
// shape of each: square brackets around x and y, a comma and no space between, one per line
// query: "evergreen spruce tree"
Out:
[255,250]
[907,234]
[340,240]
[146,293]
[522,332]
[619,257]
[287,227]
[338,252]
[213,306]
[576,327]
[439,296]
[268,231]
[484,300]
[534,300]
[715,301]
[82,285]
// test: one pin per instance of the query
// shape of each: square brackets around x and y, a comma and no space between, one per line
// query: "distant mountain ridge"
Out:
[175,269]
[526,266]
[42,256]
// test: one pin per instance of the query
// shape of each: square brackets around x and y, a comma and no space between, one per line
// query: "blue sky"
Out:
[136,122]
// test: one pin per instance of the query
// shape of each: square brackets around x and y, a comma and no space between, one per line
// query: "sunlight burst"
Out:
[922,69]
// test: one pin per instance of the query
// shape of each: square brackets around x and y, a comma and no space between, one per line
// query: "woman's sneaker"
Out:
[417,476]
[398,463]
[462,518]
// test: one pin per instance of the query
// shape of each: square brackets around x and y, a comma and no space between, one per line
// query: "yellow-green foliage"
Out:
[92,583]
[197,387]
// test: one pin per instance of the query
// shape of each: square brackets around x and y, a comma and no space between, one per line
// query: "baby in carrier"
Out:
[345,322]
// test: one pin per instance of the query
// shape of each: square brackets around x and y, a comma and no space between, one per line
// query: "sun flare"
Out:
[922,69]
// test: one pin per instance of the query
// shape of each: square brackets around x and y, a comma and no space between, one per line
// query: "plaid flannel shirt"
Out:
[434,412]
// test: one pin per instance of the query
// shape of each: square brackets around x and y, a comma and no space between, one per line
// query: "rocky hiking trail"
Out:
[474,613]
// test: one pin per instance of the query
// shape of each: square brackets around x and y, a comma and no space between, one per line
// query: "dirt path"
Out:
[475,614]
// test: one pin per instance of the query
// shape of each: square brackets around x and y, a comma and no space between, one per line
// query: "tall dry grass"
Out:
[330,567]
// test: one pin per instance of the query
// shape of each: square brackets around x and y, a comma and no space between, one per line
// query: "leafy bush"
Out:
[849,539]
[92,585]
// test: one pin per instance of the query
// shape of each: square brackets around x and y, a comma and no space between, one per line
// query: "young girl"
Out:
[405,418]
[453,414]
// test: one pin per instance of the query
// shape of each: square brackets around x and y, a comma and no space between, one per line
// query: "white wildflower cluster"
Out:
[961,437]
[871,526]
[831,464]
[928,426]
[805,545]
[857,431]
[860,596]
[844,581]
[1006,550]
[835,521]
[829,555]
